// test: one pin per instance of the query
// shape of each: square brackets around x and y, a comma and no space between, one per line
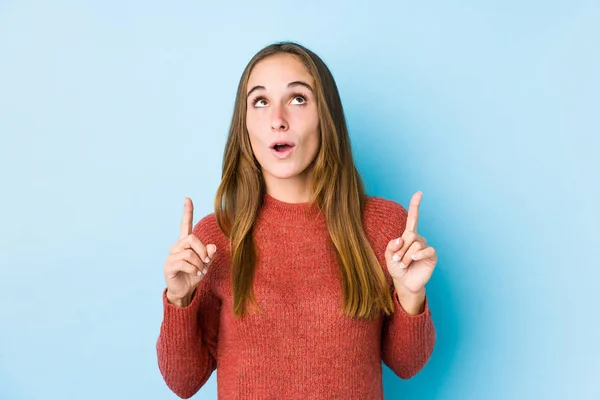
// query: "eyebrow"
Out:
[291,84]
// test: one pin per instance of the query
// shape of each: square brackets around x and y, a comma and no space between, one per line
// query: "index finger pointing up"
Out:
[188,216]
[413,212]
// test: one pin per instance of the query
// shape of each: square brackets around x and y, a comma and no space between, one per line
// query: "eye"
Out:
[301,98]
[259,102]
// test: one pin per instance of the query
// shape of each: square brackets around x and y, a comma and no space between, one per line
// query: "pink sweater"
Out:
[302,347]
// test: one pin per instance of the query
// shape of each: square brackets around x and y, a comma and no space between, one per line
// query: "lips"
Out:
[281,145]
[282,149]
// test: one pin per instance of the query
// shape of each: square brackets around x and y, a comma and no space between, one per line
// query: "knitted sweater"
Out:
[302,347]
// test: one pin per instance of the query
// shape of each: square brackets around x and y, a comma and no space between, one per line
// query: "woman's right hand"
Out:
[188,261]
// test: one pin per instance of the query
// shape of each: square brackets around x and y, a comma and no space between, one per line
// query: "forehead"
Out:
[279,70]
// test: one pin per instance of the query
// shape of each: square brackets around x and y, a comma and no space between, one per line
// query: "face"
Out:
[282,118]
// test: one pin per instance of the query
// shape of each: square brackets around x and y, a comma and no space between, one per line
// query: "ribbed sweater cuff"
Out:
[418,318]
[417,330]
[180,324]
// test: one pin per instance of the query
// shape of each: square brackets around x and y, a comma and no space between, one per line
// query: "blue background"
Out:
[111,112]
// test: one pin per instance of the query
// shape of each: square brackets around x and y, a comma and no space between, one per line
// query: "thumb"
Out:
[211,249]
[393,246]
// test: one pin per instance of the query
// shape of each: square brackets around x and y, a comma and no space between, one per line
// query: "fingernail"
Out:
[402,265]
[207,260]
[199,273]
[414,256]
[396,257]
[205,270]
[398,241]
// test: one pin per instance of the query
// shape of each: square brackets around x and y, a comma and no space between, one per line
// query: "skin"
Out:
[411,261]
[188,260]
[282,106]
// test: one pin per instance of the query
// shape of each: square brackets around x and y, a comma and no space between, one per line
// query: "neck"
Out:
[291,190]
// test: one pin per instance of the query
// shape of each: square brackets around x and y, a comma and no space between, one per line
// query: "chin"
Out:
[284,173]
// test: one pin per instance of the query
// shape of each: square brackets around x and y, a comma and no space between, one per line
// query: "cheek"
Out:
[314,143]
[256,144]
[257,139]
[306,124]
[313,139]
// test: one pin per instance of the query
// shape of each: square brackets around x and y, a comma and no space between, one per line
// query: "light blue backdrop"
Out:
[111,112]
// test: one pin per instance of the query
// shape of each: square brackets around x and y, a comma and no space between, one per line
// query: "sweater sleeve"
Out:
[407,341]
[187,342]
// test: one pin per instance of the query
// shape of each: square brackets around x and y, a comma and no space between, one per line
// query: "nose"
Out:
[278,119]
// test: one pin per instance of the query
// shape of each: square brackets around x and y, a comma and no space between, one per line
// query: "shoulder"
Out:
[384,218]
[385,211]
[208,231]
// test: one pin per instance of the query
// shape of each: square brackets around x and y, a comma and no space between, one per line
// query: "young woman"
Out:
[299,285]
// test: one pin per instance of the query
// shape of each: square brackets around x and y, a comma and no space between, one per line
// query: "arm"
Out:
[408,335]
[187,342]
[407,340]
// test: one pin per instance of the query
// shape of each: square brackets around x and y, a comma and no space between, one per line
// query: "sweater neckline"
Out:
[276,210]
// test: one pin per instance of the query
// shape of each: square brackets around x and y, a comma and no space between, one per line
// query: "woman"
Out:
[299,285]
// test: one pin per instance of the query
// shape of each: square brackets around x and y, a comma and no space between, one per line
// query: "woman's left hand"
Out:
[409,260]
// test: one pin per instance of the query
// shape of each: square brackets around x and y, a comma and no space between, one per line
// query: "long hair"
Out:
[337,191]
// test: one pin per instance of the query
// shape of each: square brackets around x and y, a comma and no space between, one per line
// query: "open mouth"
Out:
[282,147]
